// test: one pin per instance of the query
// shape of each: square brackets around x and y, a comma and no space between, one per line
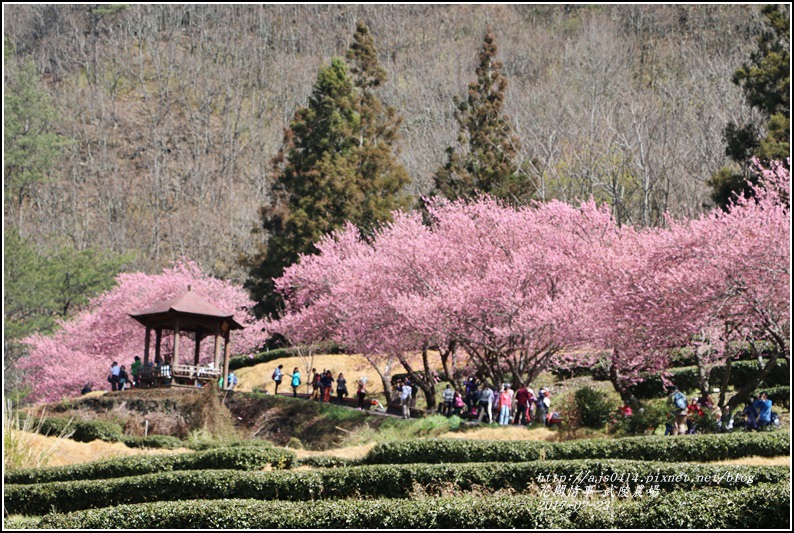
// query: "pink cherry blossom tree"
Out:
[709,283]
[82,350]
[504,285]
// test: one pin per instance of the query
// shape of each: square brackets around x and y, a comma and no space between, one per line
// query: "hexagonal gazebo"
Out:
[188,312]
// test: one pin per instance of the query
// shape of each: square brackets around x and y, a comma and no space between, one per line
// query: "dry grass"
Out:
[503,433]
[69,452]
[352,452]
[782,460]
[352,366]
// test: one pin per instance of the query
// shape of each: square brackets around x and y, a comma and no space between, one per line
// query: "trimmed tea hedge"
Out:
[202,445]
[324,461]
[52,426]
[687,378]
[651,448]
[82,431]
[242,361]
[391,481]
[154,441]
[97,430]
[760,507]
[239,458]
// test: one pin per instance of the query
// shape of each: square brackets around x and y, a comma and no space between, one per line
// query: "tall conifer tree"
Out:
[338,163]
[766,82]
[485,158]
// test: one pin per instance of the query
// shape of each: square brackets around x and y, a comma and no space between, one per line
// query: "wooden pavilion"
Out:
[189,313]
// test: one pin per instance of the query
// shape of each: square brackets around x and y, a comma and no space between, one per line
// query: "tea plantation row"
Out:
[758,507]
[238,458]
[377,481]
[652,448]
[714,447]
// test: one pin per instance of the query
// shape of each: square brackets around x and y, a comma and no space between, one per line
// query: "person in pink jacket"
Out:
[505,405]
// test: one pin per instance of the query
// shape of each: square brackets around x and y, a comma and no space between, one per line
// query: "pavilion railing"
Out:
[201,373]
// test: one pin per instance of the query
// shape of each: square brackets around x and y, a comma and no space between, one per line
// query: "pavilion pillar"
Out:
[198,348]
[226,351]
[217,345]
[146,346]
[158,339]
[175,359]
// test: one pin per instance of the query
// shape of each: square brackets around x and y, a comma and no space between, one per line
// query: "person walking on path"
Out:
[449,400]
[277,376]
[543,404]
[316,386]
[327,384]
[522,405]
[679,411]
[361,392]
[114,376]
[405,399]
[505,404]
[341,387]
[123,377]
[296,381]
[485,403]
[135,369]
[459,404]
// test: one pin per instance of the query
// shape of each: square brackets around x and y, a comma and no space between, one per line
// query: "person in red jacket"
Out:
[522,406]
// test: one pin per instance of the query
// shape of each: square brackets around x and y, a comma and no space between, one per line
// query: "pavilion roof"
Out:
[187,305]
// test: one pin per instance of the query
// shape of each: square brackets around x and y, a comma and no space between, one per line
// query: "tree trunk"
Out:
[703,375]
[426,382]
[753,383]
[449,366]
[625,393]
[726,377]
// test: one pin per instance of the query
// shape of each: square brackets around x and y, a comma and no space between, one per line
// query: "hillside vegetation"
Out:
[168,116]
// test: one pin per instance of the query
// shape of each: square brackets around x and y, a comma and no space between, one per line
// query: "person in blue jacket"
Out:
[764,407]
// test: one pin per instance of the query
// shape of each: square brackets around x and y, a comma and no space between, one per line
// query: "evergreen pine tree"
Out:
[337,163]
[485,159]
[30,143]
[765,81]
[381,176]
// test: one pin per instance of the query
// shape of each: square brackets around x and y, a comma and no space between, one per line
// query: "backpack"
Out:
[679,400]
[273,376]
[775,419]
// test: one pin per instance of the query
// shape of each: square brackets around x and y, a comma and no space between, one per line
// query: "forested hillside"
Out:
[167,117]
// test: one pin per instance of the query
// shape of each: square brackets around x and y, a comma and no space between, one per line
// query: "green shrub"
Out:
[239,458]
[743,371]
[97,430]
[52,426]
[154,441]
[650,448]
[390,481]
[595,409]
[324,461]
[644,420]
[758,507]
[242,361]
[761,507]
[213,444]
[687,378]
